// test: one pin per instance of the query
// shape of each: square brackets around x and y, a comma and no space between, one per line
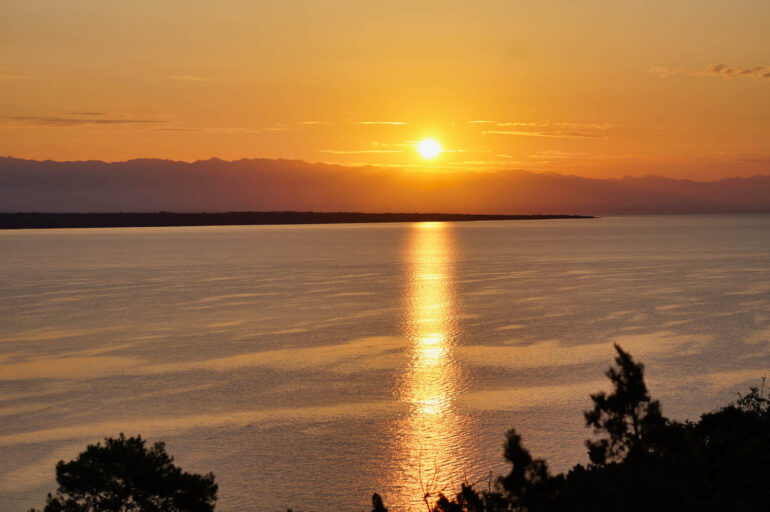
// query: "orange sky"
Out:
[600,88]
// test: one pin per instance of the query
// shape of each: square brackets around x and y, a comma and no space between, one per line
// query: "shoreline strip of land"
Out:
[32,220]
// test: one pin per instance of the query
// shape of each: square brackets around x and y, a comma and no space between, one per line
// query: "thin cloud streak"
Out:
[407,144]
[177,129]
[276,128]
[731,72]
[227,130]
[359,151]
[75,121]
[724,70]
[557,134]
[394,123]
[561,124]
[86,113]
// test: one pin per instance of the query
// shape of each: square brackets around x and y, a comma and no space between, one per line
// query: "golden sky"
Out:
[601,88]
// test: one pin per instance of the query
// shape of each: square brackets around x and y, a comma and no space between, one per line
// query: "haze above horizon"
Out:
[600,89]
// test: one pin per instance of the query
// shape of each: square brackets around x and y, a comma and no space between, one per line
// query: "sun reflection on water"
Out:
[432,441]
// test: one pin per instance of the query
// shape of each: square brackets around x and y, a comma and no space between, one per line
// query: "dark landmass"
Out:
[151,185]
[127,220]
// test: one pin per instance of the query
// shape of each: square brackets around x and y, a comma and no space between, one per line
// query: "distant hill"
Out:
[279,185]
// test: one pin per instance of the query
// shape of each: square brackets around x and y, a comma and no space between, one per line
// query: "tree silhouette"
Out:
[629,417]
[123,475]
[642,461]
[467,500]
[377,505]
[524,486]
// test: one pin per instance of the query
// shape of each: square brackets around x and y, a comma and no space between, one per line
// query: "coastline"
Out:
[169,219]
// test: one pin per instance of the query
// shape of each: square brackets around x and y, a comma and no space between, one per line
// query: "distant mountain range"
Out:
[277,185]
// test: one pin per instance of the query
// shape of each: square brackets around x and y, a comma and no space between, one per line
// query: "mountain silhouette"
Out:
[214,185]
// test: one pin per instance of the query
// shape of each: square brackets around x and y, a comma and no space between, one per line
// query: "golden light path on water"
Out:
[434,441]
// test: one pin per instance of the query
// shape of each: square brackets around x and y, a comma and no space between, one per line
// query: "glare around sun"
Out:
[429,148]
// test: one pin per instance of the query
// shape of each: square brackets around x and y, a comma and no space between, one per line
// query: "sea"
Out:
[310,366]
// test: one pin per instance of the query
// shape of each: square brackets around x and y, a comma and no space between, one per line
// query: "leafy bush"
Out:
[123,475]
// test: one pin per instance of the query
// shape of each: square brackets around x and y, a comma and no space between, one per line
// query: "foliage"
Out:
[628,416]
[377,504]
[641,461]
[123,475]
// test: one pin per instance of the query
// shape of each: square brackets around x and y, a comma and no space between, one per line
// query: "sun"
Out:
[429,148]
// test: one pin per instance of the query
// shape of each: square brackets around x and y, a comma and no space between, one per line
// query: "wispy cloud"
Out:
[81,120]
[359,151]
[552,154]
[406,144]
[236,130]
[225,130]
[755,159]
[383,122]
[551,134]
[725,71]
[481,121]
[86,113]
[467,151]
[276,128]
[460,163]
[560,124]
[522,123]
[549,129]
[731,72]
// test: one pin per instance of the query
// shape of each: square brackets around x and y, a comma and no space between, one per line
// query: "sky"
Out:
[596,88]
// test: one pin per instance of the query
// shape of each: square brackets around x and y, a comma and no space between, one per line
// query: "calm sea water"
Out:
[309,366]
